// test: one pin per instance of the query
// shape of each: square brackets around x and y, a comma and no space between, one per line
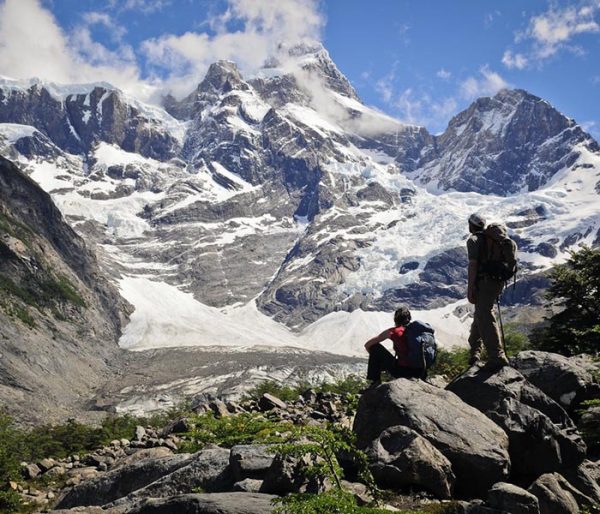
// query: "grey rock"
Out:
[287,474]
[475,446]
[214,503]
[219,409]
[586,478]
[119,482]
[251,461]
[30,471]
[568,381]
[510,498]
[140,433]
[143,454]
[268,401]
[208,469]
[401,458]
[556,495]
[248,485]
[531,419]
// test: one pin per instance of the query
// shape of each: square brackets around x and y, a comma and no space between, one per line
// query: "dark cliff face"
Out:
[501,145]
[79,121]
[60,319]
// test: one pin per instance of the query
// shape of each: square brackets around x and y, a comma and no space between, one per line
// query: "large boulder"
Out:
[120,482]
[557,496]
[215,503]
[537,444]
[289,474]
[586,478]
[208,470]
[475,446]
[401,458]
[510,498]
[567,380]
[250,460]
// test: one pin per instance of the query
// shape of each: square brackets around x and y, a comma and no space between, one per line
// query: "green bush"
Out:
[231,430]
[450,363]
[331,502]
[10,444]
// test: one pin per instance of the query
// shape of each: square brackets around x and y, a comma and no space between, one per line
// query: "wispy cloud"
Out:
[555,28]
[444,74]
[488,82]
[144,6]
[553,31]
[511,61]
[32,43]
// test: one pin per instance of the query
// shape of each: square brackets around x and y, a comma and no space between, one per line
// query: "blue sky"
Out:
[419,61]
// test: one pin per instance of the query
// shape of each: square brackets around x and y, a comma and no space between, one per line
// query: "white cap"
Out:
[477,220]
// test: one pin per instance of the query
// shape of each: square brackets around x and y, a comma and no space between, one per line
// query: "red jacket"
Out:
[396,334]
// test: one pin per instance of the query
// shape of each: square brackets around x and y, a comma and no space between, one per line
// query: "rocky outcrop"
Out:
[568,381]
[475,446]
[59,318]
[401,458]
[510,498]
[557,496]
[542,437]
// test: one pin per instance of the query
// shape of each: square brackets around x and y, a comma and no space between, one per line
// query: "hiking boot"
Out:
[371,386]
[474,361]
[494,366]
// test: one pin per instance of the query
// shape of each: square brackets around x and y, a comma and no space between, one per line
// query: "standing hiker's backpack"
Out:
[421,345]
[499,259]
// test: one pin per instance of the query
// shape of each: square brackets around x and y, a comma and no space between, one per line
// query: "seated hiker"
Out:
[414,346]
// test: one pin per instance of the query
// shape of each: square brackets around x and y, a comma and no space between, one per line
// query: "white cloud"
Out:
[554,29]
[518,61]
[265,26]
[444,74]
[488,83]
[145,6]
[33,45]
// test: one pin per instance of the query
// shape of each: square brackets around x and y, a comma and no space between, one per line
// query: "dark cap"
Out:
[477,220]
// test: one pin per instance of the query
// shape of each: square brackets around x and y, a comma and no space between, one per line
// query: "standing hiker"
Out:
[414,345]
[492,261]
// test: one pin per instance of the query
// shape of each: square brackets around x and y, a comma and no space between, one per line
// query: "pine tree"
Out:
[575,286]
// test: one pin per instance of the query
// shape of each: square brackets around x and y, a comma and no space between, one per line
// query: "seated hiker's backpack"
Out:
[499,259]
[421,345]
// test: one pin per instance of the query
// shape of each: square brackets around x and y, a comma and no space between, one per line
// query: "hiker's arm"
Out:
[472,276]
[376,340]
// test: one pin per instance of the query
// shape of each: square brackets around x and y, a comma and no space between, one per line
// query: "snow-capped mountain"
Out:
[282,199]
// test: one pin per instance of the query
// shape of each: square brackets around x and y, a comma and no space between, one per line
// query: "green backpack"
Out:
[499,260]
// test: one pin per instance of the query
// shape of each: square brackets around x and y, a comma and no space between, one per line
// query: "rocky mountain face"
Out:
[285,190]
[60,319]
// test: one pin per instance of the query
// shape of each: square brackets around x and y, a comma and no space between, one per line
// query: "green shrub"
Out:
[231,430]
[450,363]
[331,502]
[10,443]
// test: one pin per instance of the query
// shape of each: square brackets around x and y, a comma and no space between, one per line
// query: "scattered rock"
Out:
[510,498]
[557,496]
[400,458]
[30,471]
[140,433]
[475,446]
[268,401]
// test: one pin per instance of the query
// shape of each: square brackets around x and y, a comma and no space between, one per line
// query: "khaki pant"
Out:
[485,327]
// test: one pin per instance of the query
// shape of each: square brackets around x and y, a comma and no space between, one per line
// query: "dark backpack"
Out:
[421,345]
[499,258]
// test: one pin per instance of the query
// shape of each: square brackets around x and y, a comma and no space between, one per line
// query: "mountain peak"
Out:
[221,77]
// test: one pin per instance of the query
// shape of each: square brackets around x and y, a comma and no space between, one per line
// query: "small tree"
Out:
[576,287]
